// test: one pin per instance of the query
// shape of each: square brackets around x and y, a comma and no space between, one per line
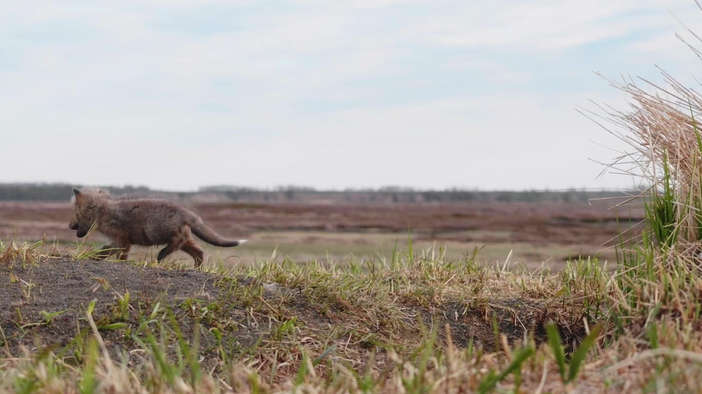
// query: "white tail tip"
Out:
[242,241]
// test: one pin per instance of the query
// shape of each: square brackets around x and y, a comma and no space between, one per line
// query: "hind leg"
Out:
[170,248]
[177,241]
[191,248]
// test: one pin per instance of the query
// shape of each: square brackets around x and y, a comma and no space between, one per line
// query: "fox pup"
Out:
[146,222]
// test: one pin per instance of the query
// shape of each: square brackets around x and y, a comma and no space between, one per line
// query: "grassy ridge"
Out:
[415,322]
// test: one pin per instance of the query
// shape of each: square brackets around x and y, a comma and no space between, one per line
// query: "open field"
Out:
[348,299]
[535,233]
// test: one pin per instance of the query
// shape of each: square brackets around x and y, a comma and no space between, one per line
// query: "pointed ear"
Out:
[76,192]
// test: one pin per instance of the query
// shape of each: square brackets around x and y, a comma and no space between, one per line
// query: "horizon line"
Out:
[302,188]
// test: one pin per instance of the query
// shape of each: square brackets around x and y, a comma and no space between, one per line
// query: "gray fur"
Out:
[142,221]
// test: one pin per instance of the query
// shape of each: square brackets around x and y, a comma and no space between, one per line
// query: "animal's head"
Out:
[85,207]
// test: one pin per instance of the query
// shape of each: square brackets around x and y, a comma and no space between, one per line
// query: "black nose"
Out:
[81,233]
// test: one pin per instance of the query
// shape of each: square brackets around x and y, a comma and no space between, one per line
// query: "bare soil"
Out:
[66,287]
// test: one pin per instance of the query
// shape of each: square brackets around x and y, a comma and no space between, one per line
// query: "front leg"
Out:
[124,251]
[106,251]
[119,249]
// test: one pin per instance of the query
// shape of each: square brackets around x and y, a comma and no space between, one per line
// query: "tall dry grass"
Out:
[662,128]
[659,274]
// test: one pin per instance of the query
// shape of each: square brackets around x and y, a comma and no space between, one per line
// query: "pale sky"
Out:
[330,94]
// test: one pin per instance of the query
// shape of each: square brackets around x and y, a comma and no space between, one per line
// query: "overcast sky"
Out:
[365,93]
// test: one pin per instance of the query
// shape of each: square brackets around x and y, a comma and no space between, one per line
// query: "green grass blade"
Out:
[167,370]
[88,382]
[652,334]
[554,341]
[580,353]
[303,370]
[490,382]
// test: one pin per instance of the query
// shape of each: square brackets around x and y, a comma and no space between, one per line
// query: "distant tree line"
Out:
[55,191]
[391,194]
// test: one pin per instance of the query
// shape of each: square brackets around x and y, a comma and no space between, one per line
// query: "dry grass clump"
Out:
[662,128]
[660,272]
[23,253]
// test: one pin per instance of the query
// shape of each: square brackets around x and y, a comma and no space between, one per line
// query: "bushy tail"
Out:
[205,233]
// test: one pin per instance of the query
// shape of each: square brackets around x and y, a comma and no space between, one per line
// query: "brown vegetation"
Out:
[596,224]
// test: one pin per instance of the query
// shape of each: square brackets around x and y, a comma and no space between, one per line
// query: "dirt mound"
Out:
[43,305]
[46,302]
